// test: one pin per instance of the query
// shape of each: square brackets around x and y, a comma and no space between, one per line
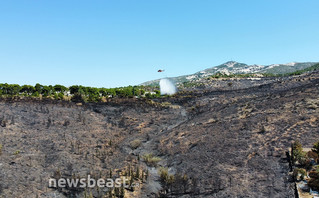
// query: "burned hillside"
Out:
[206,142]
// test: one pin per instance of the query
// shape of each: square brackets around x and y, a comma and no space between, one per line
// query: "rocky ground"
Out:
[226,140]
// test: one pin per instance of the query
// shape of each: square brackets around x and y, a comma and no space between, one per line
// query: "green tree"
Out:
[35,94]
[60,88]
[136,91]
[79,93]
[94,94]
[46,91]
[2,89]
[74,89]
[142,91]
[103,92]
[38,88]
[27,89]
[297,154]
[148,95]
[157,93]
[13,89]
[111,92]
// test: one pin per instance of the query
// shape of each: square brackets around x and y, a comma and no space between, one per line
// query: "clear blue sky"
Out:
[124,42]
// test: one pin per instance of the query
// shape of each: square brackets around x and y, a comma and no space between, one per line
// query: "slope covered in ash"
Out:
[224,143]
[236,142]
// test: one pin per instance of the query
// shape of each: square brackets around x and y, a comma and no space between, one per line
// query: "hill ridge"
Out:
[234,67]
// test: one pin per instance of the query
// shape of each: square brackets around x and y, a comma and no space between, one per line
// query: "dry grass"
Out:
[151,160]
[135,144]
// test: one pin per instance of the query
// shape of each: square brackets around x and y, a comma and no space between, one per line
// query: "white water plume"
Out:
[167,87]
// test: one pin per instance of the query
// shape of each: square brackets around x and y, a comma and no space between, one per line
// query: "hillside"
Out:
[233,67]
[215,141]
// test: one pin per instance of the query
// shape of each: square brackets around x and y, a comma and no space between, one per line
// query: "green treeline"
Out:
[77,92]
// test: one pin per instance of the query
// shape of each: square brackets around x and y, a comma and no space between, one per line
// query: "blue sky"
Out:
[124,42]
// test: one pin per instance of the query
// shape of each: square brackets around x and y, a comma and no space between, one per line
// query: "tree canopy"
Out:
[77,92]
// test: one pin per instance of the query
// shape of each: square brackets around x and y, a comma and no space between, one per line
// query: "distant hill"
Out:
[233,67]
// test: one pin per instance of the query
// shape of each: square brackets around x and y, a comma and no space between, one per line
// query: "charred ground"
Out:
[225,140]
